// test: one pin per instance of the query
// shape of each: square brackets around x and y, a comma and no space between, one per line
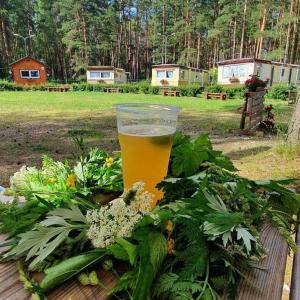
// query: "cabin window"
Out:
[169,74]
[235,71]
[99,74]
[30,74]
[164,74]
[95,75]
[105,75]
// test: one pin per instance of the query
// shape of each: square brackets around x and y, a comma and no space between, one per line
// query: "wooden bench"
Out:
[171,93]
[112,90]
[221,96]
[291,97]
[58,88]
[263,283]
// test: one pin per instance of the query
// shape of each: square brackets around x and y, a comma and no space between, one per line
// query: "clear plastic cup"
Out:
[145,135]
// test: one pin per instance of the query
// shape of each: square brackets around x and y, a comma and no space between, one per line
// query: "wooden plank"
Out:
[267,284]
[295,286]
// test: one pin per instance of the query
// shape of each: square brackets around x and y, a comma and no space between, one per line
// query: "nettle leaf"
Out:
[158,243]
[246,236]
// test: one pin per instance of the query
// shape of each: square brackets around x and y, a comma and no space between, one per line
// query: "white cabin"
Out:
[237,71]
[105,74]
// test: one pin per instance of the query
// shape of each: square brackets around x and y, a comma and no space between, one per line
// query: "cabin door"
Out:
[272,76]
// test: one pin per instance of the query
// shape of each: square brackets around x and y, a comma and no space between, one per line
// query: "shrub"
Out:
[214,88]
[234,92]
[279,91]
[154,90]
[187,90]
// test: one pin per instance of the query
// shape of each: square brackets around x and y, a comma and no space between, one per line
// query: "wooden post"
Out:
[294,127]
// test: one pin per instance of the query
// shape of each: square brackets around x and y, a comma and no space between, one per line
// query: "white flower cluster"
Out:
[19,181]
[117,219]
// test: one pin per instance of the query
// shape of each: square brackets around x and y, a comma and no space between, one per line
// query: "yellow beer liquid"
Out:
[145,154]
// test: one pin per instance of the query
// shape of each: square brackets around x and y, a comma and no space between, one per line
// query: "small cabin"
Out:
[175,75]
[28,70]
[237,71]
[105,74]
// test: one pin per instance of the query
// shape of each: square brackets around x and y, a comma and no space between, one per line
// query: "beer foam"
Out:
[147,130]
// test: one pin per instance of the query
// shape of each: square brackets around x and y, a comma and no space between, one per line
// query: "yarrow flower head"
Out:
[119,217]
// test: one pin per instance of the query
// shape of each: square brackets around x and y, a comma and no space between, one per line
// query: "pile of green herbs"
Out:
[195,244]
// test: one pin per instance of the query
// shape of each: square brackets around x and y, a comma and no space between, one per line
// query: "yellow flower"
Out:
[71,180]
[52,180]
[109,161]
[170,246]
[169,226]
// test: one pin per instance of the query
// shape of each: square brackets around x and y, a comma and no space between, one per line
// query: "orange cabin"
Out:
[28,70]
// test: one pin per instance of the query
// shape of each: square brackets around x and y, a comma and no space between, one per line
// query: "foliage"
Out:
[188,90]
[195,244]
[279,91]
[214,88]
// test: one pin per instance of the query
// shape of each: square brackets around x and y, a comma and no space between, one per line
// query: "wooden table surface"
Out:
[259,284]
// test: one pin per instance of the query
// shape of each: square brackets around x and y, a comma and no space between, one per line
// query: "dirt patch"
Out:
[24,142]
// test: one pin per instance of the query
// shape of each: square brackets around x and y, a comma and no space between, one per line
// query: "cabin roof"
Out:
[243,60]
[25,58]
[100,68]
[254,60]
[177,66]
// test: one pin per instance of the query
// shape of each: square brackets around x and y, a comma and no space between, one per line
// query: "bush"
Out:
[234,92]
[279,91]
[187,90]
[154,90]
[214,88]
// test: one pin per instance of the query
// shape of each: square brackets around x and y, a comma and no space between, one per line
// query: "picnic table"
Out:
[112,90]
[221,96]
[171,93]
[265,283]
[58,88]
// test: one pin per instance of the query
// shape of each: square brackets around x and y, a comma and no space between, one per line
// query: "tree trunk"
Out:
[289,31]
[295,34]
[243,29]
[294,127]
[5,48]
[262,29]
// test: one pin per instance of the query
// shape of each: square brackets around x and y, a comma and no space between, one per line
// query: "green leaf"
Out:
[246,236]
[130,249]
[152,252]
[158,246]
[65,270]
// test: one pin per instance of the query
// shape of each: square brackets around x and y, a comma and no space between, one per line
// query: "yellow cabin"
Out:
[175,75]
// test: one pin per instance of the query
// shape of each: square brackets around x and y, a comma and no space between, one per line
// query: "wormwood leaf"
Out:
[47,236]
[246,236]
[220,222]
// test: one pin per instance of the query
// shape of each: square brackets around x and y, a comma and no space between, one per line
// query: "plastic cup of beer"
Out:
[145,136]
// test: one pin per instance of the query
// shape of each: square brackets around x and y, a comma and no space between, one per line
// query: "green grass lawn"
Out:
[45,102]
[36,123]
